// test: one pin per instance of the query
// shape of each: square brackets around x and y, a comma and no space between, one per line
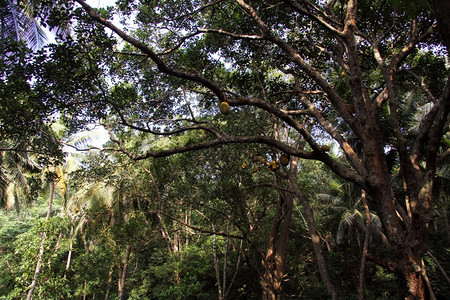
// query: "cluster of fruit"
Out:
[270,165]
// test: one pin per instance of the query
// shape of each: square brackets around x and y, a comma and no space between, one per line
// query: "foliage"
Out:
[183,198]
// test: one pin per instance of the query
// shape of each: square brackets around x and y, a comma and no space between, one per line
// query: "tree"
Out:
[346,67]
[17,23]
[17,170]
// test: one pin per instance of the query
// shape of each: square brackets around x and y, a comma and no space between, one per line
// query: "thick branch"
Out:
[231,34]
[318,153]
[228,140]
[437,116]
[321,17]
[162,66]
[296,58]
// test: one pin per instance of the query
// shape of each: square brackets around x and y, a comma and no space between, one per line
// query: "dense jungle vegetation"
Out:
[224,149]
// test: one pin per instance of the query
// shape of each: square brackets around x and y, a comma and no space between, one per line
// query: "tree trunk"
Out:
[315,238]
[217,267]
[270,294]
[407,240]
[235,270]
[274,262]
[362,268]
[69,254]
[124,273]
[41,247]
[438,264]
[108,283]
[84,290]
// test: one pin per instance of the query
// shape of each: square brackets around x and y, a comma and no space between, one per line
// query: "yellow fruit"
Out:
[244,165]
[284,160]
[273,165]
[343,74]
[263,160]
[224,108]
[255,169]
[325,147]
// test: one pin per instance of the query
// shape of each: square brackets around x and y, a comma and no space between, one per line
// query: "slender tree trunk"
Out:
[235,270]
[108,284]
[438,264]
[315,238]
[217,268]
[362,269]
[427,281]
[124,273]
[69,254]
[41,247]
[225,263]
[84,290]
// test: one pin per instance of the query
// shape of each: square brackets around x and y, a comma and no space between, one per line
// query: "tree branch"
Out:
[162,66]
[226,234]
[231,34]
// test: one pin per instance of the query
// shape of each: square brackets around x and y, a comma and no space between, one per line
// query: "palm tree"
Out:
[17,23]
[16,171]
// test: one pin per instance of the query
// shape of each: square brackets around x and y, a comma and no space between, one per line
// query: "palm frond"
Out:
[86,138]
[18,24]
[3,184]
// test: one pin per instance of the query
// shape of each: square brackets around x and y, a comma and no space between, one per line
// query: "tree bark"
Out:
[365,250]
[124,273]
[274,261]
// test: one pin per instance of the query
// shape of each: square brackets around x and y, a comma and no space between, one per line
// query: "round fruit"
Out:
[325,147]
[284,160]
[224,108]
[273,165]
[244,165]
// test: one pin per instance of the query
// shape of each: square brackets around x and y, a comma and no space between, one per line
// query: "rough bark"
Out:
[274,261]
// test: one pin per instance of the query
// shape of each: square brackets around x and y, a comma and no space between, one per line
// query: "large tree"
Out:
[346,73]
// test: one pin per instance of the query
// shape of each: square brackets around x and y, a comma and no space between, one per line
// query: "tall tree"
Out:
[345,66]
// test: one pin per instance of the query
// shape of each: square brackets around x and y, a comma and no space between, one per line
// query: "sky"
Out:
[100,3]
